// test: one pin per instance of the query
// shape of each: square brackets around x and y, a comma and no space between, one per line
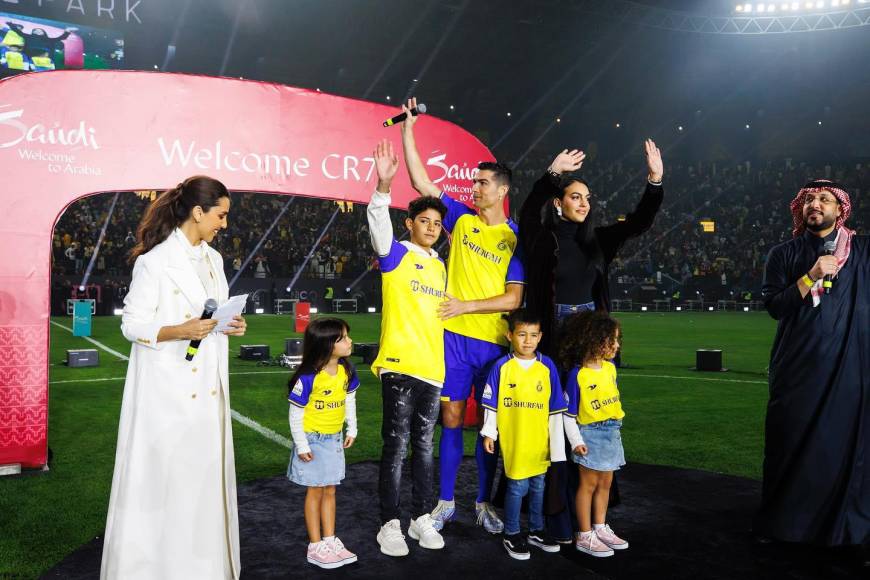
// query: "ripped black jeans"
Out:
[410,412]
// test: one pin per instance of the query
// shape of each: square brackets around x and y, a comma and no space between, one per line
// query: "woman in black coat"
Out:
[567,262]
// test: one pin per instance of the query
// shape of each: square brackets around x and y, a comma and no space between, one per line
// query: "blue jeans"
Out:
[513,500]
[563,311]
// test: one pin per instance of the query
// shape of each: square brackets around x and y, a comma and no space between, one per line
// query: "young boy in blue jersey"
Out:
[410,360]
[484,279]
[524,402]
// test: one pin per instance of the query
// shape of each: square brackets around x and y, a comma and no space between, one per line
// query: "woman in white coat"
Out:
[172,512]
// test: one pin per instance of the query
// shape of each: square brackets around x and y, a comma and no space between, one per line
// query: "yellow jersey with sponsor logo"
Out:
[412,335]
[323,397]
[593,394]
[483,260]
[523,400]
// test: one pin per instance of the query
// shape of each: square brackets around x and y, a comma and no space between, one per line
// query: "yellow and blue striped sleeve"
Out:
[489,400]
[455,210]
[572,390]
[301,391]
[558,402]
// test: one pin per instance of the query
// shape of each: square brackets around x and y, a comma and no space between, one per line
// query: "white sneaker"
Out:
[391,540]
[422,530]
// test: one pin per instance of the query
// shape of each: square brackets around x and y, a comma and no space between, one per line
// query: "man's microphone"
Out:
[421,108]
[830,248]
[207,312]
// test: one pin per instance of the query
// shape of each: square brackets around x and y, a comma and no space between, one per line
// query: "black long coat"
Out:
[541,250]
[816,486]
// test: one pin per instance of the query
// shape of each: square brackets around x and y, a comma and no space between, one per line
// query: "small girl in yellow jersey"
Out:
[322,396]
[592,423]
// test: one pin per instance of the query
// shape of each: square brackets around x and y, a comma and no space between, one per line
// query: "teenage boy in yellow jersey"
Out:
[484,279]
[524,402]
[410,360]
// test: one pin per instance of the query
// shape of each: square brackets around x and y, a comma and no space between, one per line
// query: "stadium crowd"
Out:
[747,204]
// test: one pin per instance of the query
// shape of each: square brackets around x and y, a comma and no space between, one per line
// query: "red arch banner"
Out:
[67,134]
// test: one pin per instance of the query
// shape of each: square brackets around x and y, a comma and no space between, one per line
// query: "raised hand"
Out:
[653,161]
[567,161]
[410,120]
[387,164]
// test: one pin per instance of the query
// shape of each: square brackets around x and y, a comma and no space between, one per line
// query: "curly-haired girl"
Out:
[591,339]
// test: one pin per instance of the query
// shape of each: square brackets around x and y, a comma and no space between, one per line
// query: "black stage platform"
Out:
[681,524]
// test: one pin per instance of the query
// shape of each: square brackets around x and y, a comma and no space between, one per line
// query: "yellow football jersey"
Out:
[523,400]
[593,394]
[483,260]
[412,335]
[323,398]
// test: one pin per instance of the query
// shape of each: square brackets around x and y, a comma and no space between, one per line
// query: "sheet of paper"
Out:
[226,311]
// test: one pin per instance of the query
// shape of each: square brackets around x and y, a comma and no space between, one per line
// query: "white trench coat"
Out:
[173,511]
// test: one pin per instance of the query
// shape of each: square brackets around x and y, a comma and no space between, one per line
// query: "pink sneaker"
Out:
[611,540]
[588,543]
[345,556]
[320,554]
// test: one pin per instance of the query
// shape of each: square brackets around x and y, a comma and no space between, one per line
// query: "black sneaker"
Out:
[541,539]
[516,546]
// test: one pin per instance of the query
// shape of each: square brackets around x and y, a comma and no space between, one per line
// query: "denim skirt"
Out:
[327,466]
[604,445]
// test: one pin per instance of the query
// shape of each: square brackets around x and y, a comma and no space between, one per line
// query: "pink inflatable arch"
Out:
[67,134]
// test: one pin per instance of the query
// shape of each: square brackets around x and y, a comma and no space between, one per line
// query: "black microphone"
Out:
[207,312]
[421,108]
[828,283]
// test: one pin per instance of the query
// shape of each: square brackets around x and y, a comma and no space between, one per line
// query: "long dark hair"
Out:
[585,237]
[586,336]
[317,344]
[172,208]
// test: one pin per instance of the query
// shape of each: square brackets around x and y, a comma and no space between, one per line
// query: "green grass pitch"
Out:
[674,416]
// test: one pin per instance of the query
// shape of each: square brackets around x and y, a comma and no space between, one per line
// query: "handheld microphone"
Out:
[207,312]
[828,282]
[421,108]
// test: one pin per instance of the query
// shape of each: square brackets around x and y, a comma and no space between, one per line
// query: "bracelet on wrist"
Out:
[807,281]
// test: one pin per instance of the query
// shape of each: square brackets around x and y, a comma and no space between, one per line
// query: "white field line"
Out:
[246,421]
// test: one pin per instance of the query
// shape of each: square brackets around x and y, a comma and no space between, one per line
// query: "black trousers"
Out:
[410,411]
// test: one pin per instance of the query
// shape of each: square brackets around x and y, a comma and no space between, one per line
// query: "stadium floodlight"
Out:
[680,128]
[643,308]
[259,311]
[372,310]
[771,7]
[313,310]
[820,4]
[745,309]
[835,3]
[760,7]
[747,7]
[747,125]
[795,5]
[81,288]
[118,311]
[739,8]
